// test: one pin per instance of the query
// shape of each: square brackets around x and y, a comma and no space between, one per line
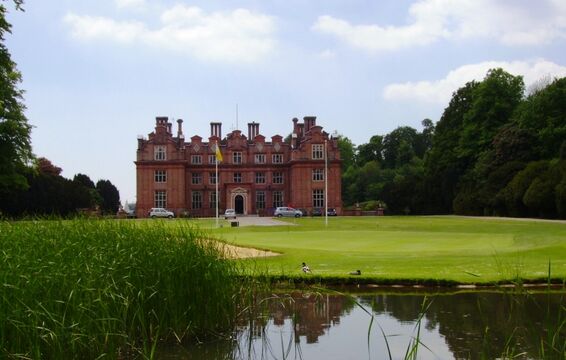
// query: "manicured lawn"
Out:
[409,248]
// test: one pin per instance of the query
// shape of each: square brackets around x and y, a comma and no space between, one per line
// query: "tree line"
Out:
[30,185]
[495,152]
[46,192]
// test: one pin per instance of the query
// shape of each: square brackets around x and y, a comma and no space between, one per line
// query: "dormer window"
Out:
[317,151]
[160,152]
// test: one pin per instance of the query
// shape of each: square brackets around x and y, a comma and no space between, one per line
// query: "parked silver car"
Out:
[230,214]
[287,211]
[161,212]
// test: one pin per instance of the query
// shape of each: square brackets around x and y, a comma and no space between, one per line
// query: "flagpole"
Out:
[326,182]
[217,198]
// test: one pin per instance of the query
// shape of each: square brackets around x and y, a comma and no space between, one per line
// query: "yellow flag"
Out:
[218,153]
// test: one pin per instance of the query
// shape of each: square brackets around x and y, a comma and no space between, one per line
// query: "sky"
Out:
[96,73]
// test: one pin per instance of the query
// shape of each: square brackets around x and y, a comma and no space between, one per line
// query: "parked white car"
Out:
[161,212]
[287,211]
[230,214]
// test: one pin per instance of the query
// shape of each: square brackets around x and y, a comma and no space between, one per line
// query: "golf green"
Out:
[411,248]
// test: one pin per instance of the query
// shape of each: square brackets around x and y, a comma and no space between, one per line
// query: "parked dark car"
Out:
[331,212]
[316,212]
[304,211]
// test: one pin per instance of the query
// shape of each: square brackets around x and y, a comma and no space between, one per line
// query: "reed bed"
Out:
[112,289]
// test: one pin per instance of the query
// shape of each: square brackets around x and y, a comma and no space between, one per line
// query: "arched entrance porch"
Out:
[238,200]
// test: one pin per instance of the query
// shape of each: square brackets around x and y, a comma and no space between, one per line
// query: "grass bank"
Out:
[86,289]
[407,250]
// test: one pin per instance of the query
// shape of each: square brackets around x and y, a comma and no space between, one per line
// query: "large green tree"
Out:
[110,196]
[543,115]
[443,168]
[15,143]
[399,146]
[372,151]
[347,152]
[495,100]
[84,180]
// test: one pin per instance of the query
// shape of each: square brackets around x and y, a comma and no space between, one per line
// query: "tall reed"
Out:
[88,288]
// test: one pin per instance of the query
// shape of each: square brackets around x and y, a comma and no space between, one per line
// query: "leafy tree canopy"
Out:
[347,151]
[15,143]
[110,196]
[46,167]
[84,180]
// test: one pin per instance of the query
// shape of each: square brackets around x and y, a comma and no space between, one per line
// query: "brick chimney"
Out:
[216,129]
[253,130]
[161,124]
[180,127]
[310,122]
[295,133]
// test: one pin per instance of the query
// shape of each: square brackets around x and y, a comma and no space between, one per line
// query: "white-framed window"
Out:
[212,199]
[212,159]
[160,199]
[277,198]
[237,177]
[317,151]
[260,200]
[259,158]
[160,176]
[196,159]
[277,158]
[318,198]
[277,178]
[196,199]
[160,152]
[317,174]
[260,178]
[212,178]
[196,178]
[237,157]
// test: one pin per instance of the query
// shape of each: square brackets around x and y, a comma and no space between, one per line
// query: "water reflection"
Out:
[308,325]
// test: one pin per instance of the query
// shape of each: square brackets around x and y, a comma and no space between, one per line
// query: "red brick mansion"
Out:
[255,176]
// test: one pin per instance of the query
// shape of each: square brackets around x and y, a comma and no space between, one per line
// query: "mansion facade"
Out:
[255,176]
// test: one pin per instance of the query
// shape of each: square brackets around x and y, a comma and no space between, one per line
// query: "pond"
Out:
[390,325]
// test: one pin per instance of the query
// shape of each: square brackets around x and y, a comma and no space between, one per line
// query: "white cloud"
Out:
[440,91]
[130,3]
[509,22]
[91,27]
[237,36]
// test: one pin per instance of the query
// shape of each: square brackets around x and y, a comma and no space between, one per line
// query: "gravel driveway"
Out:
[260,221]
